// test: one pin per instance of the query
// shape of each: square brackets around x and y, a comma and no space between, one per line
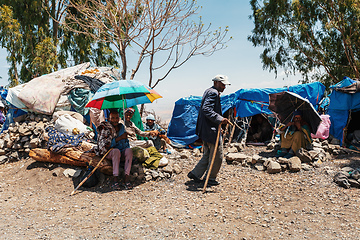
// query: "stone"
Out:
[272,167]
[2,152]
[347,169]
[238,146]
[167,175]
[232,150]
[24,139]
[304,155]
[282,160]
[354,183]
[239,157]
[27,150]
[284,167]
[56,172]
[167,169]
[9,144]
[161,175]
[34,142]
[37,119]
[2,143]
[317,163]
[294,164]
[3,159]
[336,152]
[255,158]
[24,131]
[261,160]
[316,144]
[177,169]
[148,177]
[260,167]
[196,152]
[17,146]
[250,161]
[306,167]
[14,155]
[154,174]
[26,145]
[70,172]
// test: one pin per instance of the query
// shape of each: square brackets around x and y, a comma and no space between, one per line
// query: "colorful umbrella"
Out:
[123,93]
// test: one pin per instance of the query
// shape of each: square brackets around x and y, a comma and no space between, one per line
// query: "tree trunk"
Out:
[71,157]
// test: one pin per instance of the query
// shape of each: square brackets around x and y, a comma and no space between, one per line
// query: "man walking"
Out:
[209,118]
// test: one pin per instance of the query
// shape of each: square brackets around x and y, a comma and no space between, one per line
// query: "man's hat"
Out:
[129,110]
[221,78]
[150,117]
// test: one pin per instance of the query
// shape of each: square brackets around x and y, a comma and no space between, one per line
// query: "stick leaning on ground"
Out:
[91,173]
[213,158]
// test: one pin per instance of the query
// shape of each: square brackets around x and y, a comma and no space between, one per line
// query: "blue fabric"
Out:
[12,113]
[59,140]
[340,105]
[123,143]
[78,98]
[344,83]
[248,102]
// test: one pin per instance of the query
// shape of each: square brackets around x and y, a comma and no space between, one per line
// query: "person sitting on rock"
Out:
[113,135]
[159,139]
[132,130]
[295,137]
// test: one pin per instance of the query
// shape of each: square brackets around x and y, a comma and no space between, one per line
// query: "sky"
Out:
[240,61]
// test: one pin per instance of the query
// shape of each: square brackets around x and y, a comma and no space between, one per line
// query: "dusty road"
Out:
[248,204]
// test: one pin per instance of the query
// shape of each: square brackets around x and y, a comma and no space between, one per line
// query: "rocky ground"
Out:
[248,204]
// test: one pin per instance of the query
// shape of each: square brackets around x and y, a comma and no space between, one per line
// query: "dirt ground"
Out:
[248,204]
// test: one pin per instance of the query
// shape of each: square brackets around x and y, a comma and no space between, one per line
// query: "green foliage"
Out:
[10,38]
[320,39]
[37,45]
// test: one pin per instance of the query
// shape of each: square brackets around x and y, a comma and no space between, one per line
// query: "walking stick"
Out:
[91,173]
[212,159]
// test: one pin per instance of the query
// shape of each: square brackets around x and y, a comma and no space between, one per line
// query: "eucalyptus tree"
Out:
[319,39]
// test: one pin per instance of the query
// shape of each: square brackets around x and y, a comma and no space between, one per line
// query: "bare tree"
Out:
[162,33]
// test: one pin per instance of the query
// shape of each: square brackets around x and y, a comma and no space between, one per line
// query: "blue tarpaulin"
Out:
[248,102]
[340,105]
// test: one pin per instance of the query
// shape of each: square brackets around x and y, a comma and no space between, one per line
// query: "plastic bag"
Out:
[324,128]
[66,124]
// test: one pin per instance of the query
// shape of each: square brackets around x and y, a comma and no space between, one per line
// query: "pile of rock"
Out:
[305,159]
[20,137]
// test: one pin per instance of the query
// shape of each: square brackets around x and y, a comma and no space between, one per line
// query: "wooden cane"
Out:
[91,173]
[212,159]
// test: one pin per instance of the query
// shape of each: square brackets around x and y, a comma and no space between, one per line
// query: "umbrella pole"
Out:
[91,173]
[213,158]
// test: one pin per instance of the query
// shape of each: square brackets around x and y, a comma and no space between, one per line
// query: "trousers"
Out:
[115,155]
[204,163]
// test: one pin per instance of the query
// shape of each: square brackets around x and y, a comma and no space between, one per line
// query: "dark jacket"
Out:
[209,116]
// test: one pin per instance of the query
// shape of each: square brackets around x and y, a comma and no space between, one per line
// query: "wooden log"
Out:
[71,157]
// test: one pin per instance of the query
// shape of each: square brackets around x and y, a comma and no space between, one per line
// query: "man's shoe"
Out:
[193,177]
[212,182]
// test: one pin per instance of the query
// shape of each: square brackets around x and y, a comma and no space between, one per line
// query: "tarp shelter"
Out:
[342,104]
[247,102]
[183,122]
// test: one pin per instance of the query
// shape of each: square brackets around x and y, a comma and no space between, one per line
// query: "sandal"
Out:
[127,186]
[115,186]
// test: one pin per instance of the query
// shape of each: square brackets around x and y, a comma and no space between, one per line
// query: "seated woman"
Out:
[297,136]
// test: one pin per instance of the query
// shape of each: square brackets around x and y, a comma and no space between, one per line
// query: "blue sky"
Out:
[239,61]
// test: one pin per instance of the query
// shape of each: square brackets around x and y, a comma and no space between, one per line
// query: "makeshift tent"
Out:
[342,104]
[183,122]
[247,102]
